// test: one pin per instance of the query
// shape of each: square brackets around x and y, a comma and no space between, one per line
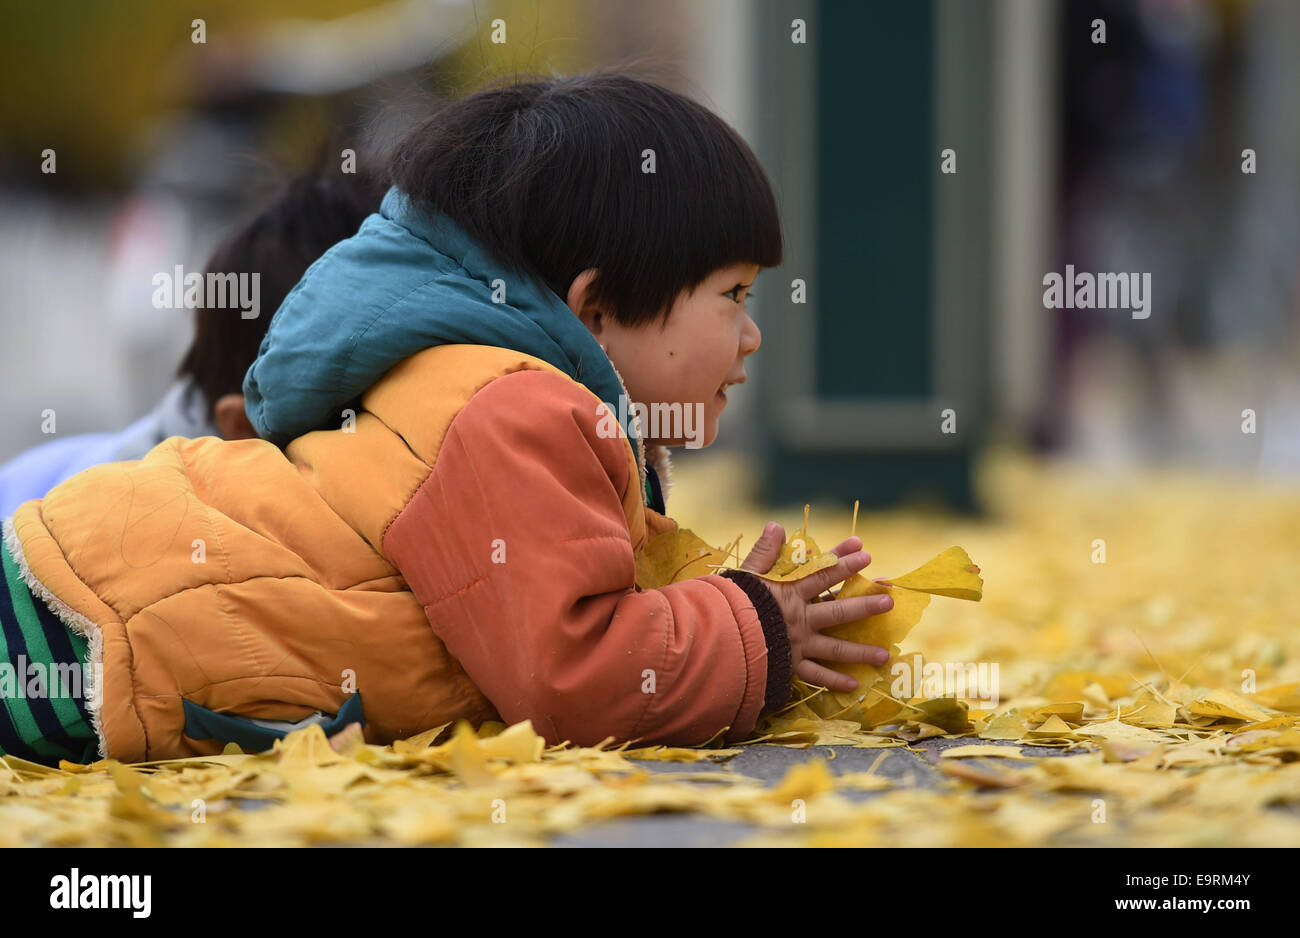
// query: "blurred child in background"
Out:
[312,213]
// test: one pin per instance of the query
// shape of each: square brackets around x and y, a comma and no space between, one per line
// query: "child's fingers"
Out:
[766,549]
[814,673]
[847,546]
[348,737]
[817,583]
[826,648]
[838,611]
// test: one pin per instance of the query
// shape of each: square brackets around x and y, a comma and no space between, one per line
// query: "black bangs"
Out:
[603,170]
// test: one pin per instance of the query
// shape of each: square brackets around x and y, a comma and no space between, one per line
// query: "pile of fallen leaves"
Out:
[1144,628]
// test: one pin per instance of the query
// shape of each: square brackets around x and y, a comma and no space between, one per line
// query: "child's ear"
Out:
[231,419]
[579,300]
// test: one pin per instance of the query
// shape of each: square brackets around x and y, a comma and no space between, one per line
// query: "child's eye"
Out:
[736,290]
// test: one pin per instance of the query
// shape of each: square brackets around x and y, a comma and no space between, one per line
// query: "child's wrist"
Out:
[780,670]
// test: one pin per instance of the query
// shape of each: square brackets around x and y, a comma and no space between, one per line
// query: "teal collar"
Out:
[409,280]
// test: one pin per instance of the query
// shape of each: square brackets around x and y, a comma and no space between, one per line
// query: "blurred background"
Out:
[924,339]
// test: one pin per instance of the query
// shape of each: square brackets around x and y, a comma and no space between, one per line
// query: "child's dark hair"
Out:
[547,175]
[312,214]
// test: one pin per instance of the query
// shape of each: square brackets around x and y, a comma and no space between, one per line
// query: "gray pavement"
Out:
[769,764]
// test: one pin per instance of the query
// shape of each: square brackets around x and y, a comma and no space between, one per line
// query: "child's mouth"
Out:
[722,391]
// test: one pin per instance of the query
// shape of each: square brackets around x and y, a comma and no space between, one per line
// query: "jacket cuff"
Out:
[780,673]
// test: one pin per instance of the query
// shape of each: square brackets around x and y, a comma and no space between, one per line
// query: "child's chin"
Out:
[710,435]
[695,442]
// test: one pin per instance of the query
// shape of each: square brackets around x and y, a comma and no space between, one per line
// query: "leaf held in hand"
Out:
[675,556]
[788,566]
[951,573]
[800,557]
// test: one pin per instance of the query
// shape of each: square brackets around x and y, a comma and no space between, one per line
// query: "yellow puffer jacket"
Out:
[465,549]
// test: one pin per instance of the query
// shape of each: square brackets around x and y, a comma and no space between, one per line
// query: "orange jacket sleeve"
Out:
[518,548]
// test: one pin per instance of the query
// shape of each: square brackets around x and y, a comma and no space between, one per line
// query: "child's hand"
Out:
[805,619]
[347,738]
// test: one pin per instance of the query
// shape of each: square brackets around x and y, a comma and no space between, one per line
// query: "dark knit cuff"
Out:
[780,673]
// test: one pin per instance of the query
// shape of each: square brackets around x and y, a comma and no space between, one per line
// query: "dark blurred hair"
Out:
[546,174]
[312,214]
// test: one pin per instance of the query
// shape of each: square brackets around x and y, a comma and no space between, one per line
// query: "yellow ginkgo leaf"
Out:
[675,556]
[950,574]
[1283,697]
[985,778]
[815,731]
[982,752]
[466,757]
[1115,730]
[420,741]
[1009,725]
[869,705]
[306,748]
[683,555]
[1225,705]
[787,569]
[947,713]
[886,628]
[800,557]
[1053,728]
[914,732]
[1149,711]
[1069,712]
[1286,739]
[518,743]
[678,754]
[803,781]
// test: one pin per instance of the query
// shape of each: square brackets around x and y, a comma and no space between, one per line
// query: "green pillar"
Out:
[894,254]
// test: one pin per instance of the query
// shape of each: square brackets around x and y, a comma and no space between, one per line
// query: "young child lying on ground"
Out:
[451,529]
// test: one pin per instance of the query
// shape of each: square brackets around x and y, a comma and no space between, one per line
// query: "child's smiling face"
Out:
[690,359]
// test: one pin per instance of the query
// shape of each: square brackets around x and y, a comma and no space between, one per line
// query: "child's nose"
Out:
[751,337]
